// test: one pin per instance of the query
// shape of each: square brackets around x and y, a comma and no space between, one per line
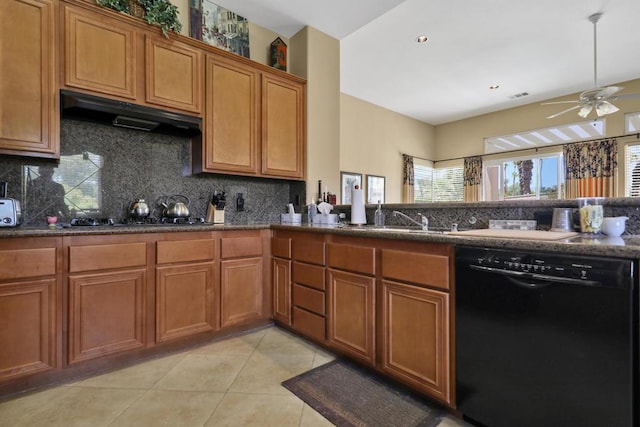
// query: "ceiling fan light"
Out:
[604,107]
[584,111]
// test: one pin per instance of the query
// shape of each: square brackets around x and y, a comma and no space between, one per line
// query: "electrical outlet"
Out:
[239,203]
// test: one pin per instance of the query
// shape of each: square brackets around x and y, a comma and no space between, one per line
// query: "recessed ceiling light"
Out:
[494,87]
[422,39]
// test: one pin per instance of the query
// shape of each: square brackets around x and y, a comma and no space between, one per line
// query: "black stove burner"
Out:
[92,222]
[181,221]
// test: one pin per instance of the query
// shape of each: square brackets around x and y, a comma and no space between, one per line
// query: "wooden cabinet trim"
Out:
[235,247]
[308,275]
[102,321]
[28,319]
[185,300]
[107,256]
[182,91]
[416,343]
[184,251]
[94,78]
[26,263]
[360,259]
[281,247]
[419,268]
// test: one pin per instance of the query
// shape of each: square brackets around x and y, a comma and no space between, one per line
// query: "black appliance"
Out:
[85,107]
[546,339]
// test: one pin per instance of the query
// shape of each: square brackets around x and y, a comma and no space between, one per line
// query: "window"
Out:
[437,184]
[531,177]
[632,170]
[545,137]
[632,122]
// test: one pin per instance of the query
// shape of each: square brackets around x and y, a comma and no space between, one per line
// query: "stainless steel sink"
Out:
[396,230]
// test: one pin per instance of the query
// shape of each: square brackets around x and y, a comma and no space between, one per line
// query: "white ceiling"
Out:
[543,47]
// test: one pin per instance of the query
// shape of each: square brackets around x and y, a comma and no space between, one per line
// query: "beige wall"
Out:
[466,137]
[372,140]
[318,60]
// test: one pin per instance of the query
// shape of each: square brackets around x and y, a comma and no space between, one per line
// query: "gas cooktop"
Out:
[133,222]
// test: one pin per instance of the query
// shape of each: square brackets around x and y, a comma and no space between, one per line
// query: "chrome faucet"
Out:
[423,224]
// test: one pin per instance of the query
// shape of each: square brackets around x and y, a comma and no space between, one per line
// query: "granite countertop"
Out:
[626,246]
[120,229]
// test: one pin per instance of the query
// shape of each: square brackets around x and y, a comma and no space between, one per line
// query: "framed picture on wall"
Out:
[347,181]
[375,189]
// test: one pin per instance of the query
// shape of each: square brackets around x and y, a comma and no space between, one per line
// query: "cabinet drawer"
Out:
[423,269]
[309,275]
[360,259]
[120,255]
[21,263]
[309,299]
[281,247]
[309,324]
[234,247]
[308,251]
[184,251]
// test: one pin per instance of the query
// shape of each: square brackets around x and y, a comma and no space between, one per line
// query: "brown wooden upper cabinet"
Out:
[283,130]
[29,78]
[255,121]
[115,56]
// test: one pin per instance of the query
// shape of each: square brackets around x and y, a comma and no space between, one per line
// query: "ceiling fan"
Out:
[598,98]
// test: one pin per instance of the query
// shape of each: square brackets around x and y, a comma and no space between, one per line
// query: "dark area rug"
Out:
[349,395]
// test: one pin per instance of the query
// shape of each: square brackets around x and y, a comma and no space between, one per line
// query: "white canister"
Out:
[614,226]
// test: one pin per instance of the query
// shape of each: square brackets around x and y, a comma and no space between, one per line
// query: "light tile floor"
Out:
[235,382]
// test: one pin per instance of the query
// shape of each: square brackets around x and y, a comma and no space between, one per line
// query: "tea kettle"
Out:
[139,209]
[176,209]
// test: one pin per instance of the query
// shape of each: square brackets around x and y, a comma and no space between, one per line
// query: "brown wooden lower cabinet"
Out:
[281,271]
[240,291]
[185,300]
[351,314]
[415,337]
[106,313]
[27,327]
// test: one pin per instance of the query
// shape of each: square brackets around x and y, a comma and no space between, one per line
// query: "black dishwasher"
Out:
[545,339]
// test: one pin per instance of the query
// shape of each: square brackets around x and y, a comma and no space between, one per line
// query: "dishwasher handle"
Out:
[519,277]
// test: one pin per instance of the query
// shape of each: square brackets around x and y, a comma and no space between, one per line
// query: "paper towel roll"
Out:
[358,215]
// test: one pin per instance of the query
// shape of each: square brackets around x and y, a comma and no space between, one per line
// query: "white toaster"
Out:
[10,214]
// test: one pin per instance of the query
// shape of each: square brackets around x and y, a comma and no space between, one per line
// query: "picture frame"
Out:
[347,181]
[375,189]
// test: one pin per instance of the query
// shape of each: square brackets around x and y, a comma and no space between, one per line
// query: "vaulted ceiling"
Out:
[543,48]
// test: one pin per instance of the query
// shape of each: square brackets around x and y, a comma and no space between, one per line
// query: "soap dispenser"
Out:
[378,219]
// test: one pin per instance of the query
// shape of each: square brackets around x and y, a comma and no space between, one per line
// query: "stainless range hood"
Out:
[75,105]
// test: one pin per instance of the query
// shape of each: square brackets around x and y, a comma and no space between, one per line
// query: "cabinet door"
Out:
[106,313]
[231,131]
[350,316]
[283,130]
[99,54]
[415,334]
[27,332]
[173,74]
[240,291]
[29,78]
[185,300]
[281,270]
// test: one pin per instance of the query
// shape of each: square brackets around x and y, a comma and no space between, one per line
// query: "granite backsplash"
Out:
[103,169]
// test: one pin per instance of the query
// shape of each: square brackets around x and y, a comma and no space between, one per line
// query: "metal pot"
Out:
[176,209]
[139,209]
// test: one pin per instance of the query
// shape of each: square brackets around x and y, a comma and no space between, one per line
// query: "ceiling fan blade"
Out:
[575,107]
[584,112]
[608,91]
[626,96]
[559,102]
[604,107]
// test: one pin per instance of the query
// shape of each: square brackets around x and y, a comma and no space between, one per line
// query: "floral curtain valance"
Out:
[591,168]
[472,178]
[408,178]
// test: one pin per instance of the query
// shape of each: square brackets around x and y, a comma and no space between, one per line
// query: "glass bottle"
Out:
[379,216]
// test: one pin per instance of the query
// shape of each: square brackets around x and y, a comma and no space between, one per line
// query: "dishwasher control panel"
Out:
[539,265]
